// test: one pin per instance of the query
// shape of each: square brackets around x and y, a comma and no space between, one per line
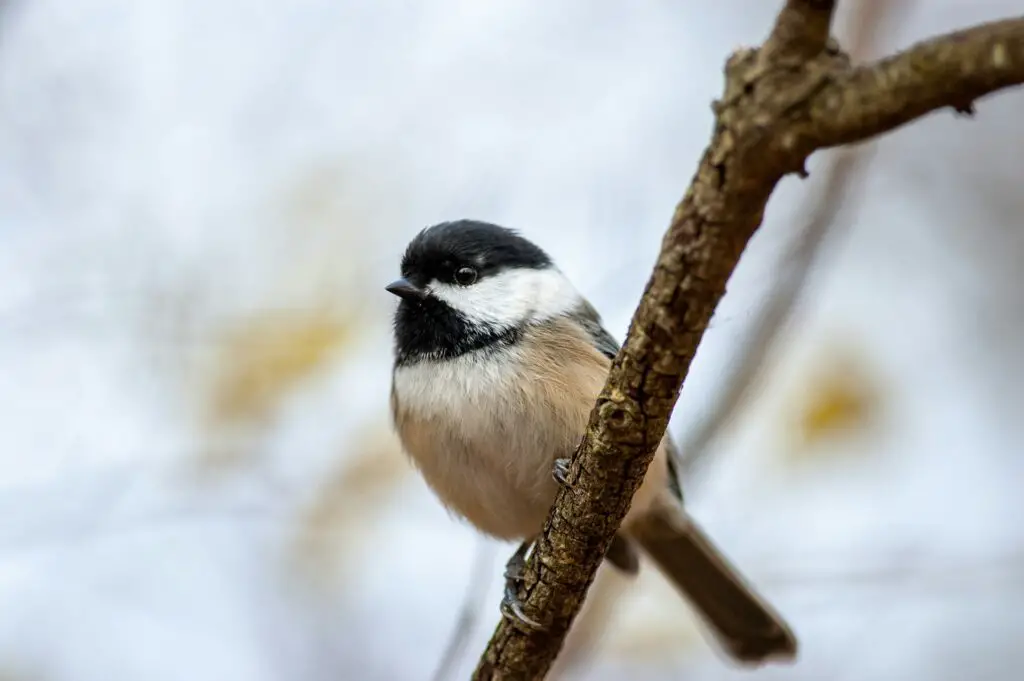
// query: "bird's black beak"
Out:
[403,288]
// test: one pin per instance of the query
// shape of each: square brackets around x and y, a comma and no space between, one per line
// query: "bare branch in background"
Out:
[842,180]
[469,614]
[797,94]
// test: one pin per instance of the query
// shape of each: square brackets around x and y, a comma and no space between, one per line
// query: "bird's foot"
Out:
[511,607]
[560,472]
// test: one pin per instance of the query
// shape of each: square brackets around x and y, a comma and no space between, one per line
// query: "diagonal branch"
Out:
[801,30]
[776,110]
[842,179]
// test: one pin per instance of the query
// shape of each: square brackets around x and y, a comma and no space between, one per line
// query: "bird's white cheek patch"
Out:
[512,297]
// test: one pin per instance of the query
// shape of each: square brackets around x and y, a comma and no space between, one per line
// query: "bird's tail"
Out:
[744,623]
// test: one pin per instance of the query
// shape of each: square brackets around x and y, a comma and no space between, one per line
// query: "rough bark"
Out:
[795,94]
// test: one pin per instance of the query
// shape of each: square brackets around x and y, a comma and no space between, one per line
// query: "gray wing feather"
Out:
[590,320]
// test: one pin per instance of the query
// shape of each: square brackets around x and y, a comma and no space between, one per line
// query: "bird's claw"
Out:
[511,608]
[560,472]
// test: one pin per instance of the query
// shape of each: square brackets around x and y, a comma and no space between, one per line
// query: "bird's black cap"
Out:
[440,250]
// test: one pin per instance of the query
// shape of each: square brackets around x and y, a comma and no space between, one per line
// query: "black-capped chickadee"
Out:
[498,363]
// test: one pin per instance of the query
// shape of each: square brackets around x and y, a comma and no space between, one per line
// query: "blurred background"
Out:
[200,204]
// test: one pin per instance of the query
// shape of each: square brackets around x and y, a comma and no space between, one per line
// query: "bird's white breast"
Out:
[477,431]
[472,384]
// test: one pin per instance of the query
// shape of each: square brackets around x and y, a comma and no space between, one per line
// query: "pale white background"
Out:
[191,190]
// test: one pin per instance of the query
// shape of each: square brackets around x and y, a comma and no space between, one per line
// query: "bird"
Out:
[497,363]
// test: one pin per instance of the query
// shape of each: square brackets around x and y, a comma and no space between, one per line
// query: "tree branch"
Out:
[953,70]
[842,177]
[782,102]
[801,30]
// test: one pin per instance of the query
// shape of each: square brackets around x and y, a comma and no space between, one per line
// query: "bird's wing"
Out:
[591,321]
[609,347]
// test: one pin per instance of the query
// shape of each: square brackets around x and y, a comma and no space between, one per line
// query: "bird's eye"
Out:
[465,276]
